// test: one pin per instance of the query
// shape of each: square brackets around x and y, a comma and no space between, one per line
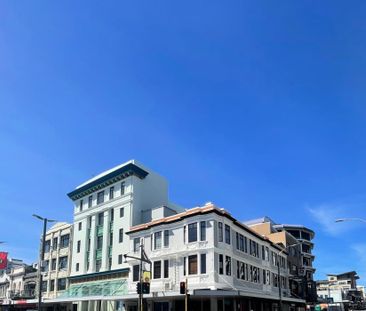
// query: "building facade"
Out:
[105,208]
[57,263]
[340,289]
[304,236]
[227,266]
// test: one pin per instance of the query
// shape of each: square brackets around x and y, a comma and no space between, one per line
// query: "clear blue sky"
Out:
[258,106]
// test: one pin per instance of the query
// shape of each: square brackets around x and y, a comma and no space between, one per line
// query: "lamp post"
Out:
[350,219]
[41,258]
[279,274]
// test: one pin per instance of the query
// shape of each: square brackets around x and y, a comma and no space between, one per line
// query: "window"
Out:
[157,240]
[64,241]
[192,264]
[203,263]
[135,273]
[253,248]
[80,225]
[45,266]
[90,201]
[109,263]
[47,246]
[237,240]
[166,238]
[120,259]
[55,240]
[77,267]
[136,244]
[184,234]
[100,242]
[61,284]
[221,264]
[157,269]
[100,219]
[166,269]
[120,235]
[263,253]
[122,188]
[53,264]
[52,285]
[111,239]
[184,265]
[241,243]
[238,269]
[62,263]
[81,205]
[100,197]
[98,265]
[220,233]
[112,214]
[121,212]
[246,244]
[111,193]
[78,247]
[44,286]
[192,232]
[203,231]
[228,265]
[242,271]
[227,234]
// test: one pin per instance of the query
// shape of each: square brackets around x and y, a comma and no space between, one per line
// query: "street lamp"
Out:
[45,221]
[279,273]
[350,219]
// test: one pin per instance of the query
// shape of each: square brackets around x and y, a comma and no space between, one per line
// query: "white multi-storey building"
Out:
[227,265]
[105,208]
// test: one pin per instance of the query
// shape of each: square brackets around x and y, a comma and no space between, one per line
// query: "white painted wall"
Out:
[177,250]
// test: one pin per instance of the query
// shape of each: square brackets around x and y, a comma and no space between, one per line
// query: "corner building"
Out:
[227,265]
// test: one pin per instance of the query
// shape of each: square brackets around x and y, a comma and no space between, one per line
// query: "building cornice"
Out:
[110,178]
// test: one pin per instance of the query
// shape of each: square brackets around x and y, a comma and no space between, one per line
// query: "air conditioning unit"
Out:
[168,285]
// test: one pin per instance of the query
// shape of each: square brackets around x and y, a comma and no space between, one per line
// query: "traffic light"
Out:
[183,288]
[138,287]
[146,288]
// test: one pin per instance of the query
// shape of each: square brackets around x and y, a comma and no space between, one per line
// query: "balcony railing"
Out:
[23,294]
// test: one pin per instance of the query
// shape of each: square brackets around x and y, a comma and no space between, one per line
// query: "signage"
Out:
[3,260]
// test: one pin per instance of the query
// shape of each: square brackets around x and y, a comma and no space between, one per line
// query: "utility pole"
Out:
[279,283]
[141,296]
[186,296]
[41,258]
[142,258]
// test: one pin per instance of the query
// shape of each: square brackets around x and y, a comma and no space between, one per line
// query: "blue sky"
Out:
[258,106]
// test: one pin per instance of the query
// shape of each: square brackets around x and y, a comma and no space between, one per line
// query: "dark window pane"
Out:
[157,269]
[192,232]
